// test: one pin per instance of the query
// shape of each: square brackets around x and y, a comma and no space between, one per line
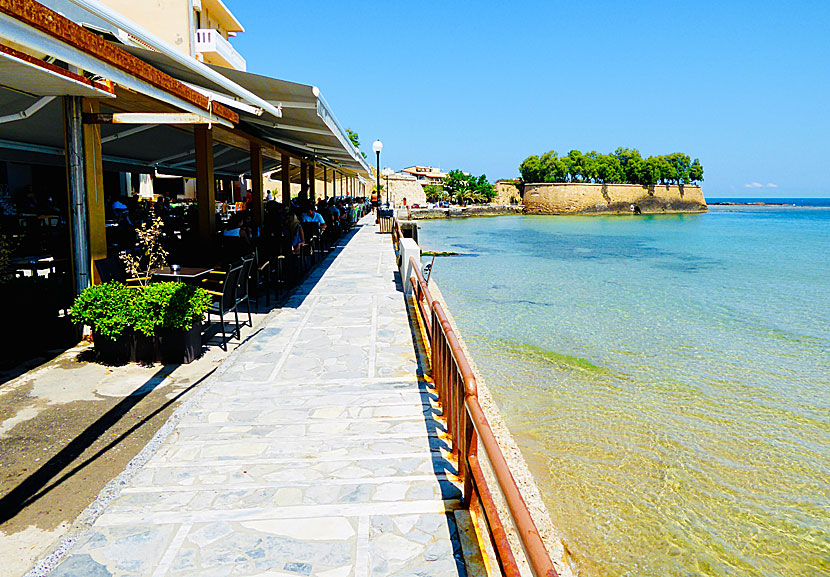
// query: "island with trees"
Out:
[619,182]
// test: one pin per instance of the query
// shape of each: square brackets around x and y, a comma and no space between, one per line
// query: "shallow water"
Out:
[667,378]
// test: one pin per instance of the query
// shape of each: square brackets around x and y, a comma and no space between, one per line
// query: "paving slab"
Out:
[318,451]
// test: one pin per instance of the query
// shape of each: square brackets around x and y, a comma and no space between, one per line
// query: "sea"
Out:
[666,376]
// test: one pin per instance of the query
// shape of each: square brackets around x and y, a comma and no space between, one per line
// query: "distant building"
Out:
[426,174]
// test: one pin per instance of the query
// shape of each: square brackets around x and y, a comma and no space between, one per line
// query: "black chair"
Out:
[111,269]
[262,276]
[242,285]
[311,230]
[225,301]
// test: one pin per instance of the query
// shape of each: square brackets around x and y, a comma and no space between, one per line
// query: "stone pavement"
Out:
[317,451]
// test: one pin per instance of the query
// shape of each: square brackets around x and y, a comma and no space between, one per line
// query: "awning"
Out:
[306,127]
[24,73]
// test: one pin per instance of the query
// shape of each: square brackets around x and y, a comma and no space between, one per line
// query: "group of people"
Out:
[287,229]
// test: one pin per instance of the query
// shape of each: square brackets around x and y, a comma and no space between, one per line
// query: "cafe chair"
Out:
[225,301]
[243,283]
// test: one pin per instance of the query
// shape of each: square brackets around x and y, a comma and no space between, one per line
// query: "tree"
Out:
[483,191]
[631,163]
[355,139]
[649,173]
[609,169]
[667,171]
[434,192]
[455,183]
[680,164]
[696,171]
[575,169]
[532,169]
[625,165]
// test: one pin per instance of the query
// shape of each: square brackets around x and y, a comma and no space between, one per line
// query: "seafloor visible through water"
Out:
[668,378]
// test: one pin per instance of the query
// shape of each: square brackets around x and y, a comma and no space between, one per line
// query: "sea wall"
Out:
[586,198]
[507,193]
[458,211]
[404,188]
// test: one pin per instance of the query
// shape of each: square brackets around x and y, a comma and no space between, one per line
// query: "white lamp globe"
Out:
[377,146]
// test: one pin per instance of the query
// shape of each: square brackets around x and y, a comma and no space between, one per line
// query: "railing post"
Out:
[469,449]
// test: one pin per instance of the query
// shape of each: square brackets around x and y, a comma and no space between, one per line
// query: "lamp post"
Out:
[377,146]
[386,172]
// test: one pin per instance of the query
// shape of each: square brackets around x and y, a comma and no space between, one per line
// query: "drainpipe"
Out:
[77,191]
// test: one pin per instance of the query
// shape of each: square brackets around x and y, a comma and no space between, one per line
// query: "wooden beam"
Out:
[205,182]
[145,118]
[304,178]
[256,185]
[325,181]
[95,201]
[285,162]
[312,179]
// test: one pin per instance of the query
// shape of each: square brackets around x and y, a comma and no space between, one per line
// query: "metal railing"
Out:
[211,41]
[469,431]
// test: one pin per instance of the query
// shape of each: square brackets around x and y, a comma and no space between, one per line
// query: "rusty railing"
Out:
[469,430]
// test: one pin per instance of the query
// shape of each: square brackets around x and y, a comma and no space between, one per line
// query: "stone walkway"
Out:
[317,451]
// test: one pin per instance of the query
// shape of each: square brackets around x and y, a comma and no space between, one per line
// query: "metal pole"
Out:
[77,191]
[378,184]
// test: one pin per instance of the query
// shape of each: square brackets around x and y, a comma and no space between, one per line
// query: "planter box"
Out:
[180,347]
[118,350]
[133,347]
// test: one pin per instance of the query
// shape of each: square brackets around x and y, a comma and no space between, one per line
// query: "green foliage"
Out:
[353,137]
[434,192]
[468,188]
[625,165]
[108,308]
[112,308]
[8,244]
[171,305]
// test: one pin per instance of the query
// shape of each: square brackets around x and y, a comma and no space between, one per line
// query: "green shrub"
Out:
[171,305]
[112,308]
[108,308]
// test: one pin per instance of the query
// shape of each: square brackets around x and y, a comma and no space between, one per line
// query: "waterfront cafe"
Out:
[88,120]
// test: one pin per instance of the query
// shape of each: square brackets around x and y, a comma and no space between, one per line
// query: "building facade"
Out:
[426,174]
[200,28]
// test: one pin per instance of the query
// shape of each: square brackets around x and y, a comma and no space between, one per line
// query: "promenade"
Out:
[317,450]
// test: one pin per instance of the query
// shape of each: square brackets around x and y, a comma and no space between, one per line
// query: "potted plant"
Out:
[109,309]
[173,312]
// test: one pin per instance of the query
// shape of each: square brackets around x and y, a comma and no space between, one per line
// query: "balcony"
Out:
[215,49]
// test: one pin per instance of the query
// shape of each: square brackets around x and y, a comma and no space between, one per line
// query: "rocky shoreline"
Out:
[458,211]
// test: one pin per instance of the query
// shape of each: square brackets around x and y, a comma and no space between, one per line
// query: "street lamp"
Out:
[377,146]
[386,172]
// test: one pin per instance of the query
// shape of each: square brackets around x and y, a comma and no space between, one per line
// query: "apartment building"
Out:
[426,174]
[200,28]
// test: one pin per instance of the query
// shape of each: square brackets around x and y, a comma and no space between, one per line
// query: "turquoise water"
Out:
[668,378]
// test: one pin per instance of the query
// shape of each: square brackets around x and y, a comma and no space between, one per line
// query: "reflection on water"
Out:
[666,377]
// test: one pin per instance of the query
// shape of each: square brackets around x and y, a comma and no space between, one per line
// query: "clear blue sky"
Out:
[743,85]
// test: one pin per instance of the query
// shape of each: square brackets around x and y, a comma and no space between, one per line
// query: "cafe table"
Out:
[187,274]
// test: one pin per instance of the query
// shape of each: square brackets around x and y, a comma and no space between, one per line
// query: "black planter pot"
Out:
[118,350]
[180,347]
[145,349]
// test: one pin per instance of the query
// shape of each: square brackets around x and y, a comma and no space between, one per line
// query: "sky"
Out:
[479,86]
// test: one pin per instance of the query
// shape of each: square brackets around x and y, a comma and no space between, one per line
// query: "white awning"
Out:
[306,125]
[26,74]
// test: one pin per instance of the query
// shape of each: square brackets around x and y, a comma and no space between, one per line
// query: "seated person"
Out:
[311,215]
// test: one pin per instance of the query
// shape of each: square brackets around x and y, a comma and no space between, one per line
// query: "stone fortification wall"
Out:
[400,188]
[508,193]
[577,197]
